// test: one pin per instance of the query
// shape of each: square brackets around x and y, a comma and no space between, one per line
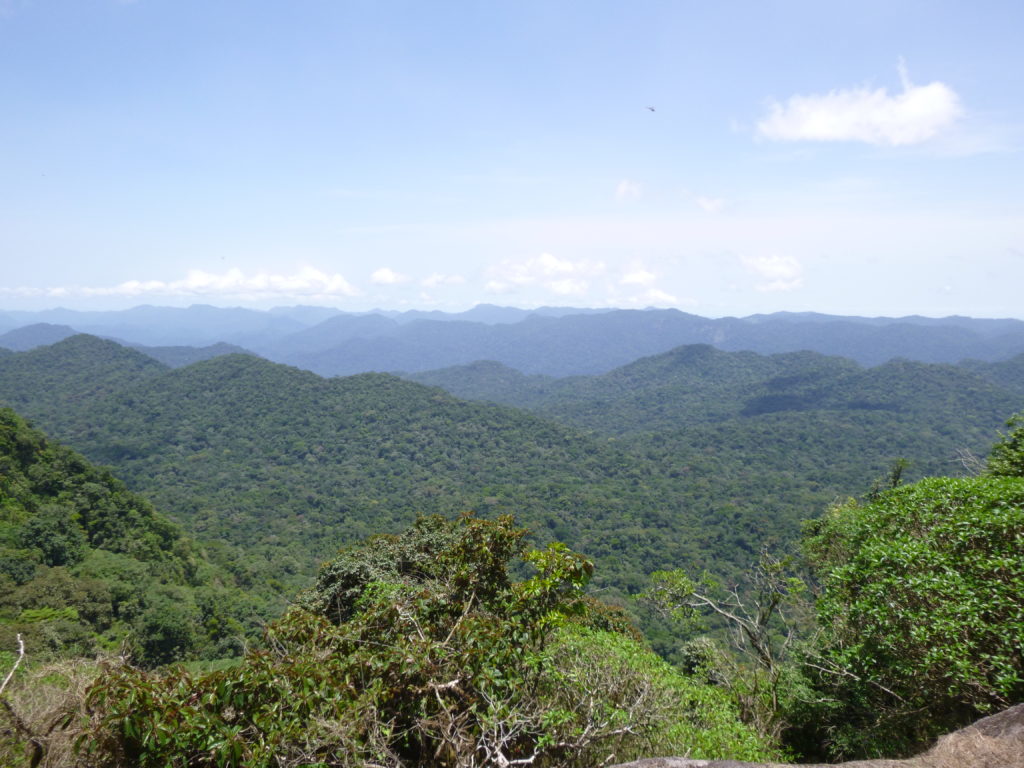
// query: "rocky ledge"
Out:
[992,742]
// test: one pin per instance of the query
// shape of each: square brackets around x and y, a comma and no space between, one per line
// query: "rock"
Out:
[992,742]
[996,741]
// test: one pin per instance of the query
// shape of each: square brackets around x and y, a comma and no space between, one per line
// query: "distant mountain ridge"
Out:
[549,341]
[28,337]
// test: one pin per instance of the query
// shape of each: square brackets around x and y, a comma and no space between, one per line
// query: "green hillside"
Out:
[699,384]
[750,444]
[87,565]
[1008,373]
[745,422]
[53,383]
[695,457]
[290,465]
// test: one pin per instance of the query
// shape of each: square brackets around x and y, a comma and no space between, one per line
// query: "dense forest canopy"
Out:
[426,649]
[86,565]
[901,620]
[696,458]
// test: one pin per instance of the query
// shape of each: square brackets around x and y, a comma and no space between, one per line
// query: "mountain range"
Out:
[550,341]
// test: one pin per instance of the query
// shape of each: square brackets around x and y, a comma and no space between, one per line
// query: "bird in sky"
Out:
[651,108]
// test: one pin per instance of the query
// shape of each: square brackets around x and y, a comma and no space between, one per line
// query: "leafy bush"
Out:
[1007,457]
[923,605]
[422,650]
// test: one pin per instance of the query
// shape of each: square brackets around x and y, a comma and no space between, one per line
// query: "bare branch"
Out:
[839,672]
[21,655]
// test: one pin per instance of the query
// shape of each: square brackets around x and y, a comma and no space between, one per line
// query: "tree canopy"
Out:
[86,565]
[1007,457]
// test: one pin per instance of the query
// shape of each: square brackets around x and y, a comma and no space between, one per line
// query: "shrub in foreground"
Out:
[922,608]
[422,650]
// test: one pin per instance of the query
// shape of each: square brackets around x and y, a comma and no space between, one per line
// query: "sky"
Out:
[722,158]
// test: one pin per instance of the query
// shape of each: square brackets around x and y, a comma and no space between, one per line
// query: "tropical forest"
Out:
[256,546]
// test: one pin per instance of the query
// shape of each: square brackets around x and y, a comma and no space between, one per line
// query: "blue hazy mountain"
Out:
[549,341]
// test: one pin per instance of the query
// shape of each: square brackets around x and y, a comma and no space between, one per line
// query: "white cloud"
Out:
[568,287]
[307,282]
[388,276]
[637,277]
[497,286]
[559,276]
[658,298]
[711,204]
[779,273]
[651,297]
[436,279]
[917,114]
[628,190]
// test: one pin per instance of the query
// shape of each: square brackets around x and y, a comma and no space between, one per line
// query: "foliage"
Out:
[54,535]
[764,622]
[422,650]
[87,566]
[696,456]
[921,604]
[1007,457]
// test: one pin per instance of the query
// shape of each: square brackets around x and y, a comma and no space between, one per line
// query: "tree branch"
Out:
[21,655]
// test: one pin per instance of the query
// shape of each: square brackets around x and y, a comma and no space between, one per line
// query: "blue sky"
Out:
[851,158]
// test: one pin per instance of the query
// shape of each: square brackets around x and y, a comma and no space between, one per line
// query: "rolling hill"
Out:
[693,457]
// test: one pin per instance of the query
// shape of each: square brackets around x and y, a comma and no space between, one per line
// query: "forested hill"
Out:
[697,457]
[58,380]
[1008,373]
[688,385]
[778,428]
[698,384]
[290,465]
[87,565]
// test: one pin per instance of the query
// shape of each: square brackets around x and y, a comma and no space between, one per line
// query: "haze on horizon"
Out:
[861,160]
